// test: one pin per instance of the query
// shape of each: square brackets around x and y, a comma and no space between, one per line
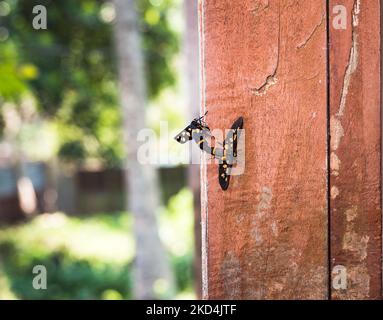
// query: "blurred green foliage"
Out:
[71,70]
[90,257]
[12,79]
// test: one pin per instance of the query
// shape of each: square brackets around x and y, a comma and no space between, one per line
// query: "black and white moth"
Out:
[227,154]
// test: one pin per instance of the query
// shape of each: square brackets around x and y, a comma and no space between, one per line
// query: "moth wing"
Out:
[229,153]
[184,136]
[223,175]
[231,141]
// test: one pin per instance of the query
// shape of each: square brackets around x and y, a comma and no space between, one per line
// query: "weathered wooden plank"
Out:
[266,236]
[355,149]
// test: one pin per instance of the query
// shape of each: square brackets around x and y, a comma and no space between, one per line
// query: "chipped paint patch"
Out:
[274,228]
[356,11]
[352,241]
[336,132]
[278,287]
[265,202]
[351,214]
[256,234]
[356,244]
[259,221]
[231,276]
[352,60]
[270,81]
[334,164]
[334,192]
[359,280]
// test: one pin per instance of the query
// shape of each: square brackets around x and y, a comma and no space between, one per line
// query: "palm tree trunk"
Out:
[151,264]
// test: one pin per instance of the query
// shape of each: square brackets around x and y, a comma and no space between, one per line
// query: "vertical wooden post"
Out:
[355,148]
[266,236]
[307,207]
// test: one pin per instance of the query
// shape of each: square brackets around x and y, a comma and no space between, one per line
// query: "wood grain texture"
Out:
[266,236]
[355,149]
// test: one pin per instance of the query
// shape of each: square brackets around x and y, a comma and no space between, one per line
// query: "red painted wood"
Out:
[266,236]
[355,149]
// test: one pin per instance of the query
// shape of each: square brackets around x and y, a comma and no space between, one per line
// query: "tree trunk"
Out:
[151,264]
[25,190]
[191,49]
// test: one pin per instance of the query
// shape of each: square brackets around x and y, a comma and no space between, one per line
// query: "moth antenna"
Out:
[200,118]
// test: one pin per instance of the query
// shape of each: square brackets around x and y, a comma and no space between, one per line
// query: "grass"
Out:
[90,257]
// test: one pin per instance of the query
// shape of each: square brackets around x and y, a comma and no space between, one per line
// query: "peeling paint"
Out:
[351,214]
[356,244]
[270,81]
[231,275]
[261,211]
[278,286]
[356,219]
[334,192]
[334,164]
[359,280]
[352,241]
[256,234]
[336,132]
[352,61]
[274,228]
[265,201]
[356,11]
